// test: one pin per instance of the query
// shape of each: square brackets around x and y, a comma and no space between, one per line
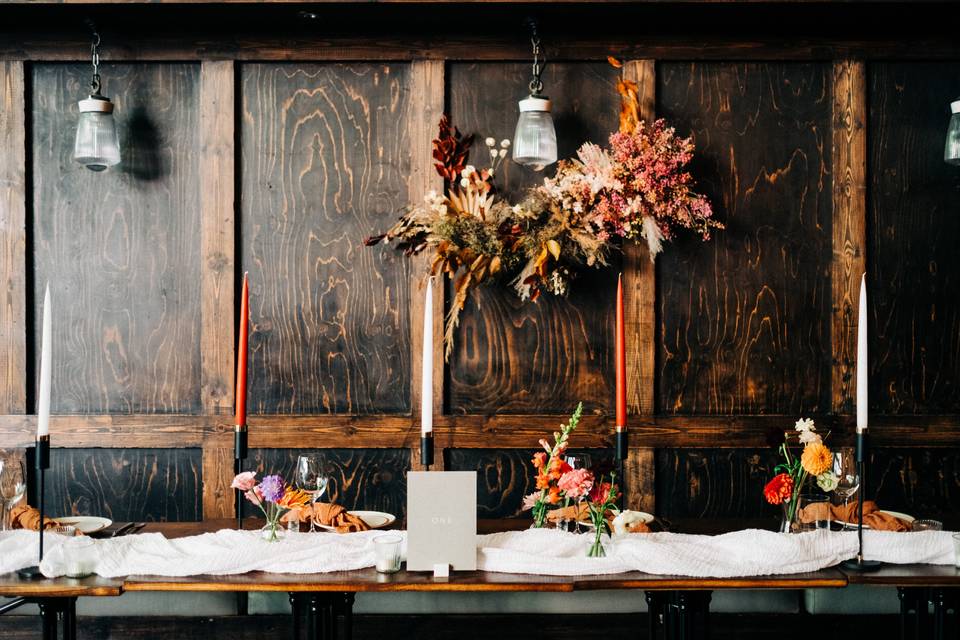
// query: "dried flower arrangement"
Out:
[637,189]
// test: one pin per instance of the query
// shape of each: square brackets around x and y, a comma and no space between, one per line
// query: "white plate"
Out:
[85,524]
[895,514]
[374,519]
[645,518]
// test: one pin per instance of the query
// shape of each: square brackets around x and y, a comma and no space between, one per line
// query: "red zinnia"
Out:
[779,489]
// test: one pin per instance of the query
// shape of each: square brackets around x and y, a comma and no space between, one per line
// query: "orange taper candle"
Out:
[621,360]
[241,399]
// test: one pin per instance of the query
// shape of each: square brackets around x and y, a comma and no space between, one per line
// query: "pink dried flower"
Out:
[576,484]
[244,481]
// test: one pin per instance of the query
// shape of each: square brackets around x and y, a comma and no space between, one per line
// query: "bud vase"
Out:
[272,532]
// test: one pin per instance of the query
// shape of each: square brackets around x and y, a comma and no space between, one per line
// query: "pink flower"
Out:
[530,500]
[254,495]
[244,481]
[576,484]
[546,445]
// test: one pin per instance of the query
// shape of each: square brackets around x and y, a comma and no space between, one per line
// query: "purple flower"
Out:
[272,488]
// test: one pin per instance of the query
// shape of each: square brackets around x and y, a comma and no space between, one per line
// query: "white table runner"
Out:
[534,551]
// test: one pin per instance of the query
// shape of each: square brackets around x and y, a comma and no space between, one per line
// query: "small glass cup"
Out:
[927,525]
[956,550]
[814,511]
[387,550]
[80,557]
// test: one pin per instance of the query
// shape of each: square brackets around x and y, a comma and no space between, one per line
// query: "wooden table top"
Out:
[368,580]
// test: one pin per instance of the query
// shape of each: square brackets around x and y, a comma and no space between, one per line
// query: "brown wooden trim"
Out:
[47,47]
[849,223]
[13,194]
[640,299]
[471,432]
[218,497]
[427,102]
[217,350]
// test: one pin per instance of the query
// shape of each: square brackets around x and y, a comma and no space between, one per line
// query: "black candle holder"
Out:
[622,446]
[41,462]
[858,564]
[426,450]
[239,455]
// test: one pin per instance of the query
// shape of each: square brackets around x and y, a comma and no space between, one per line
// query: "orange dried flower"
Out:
[816,458]
[293,499]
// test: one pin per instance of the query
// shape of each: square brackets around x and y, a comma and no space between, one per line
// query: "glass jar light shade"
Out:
[951,150]
[535,140]
[96,146]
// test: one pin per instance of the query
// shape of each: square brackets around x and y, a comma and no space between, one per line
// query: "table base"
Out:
[679,615]
[916,619]
[318,615]
[55,613]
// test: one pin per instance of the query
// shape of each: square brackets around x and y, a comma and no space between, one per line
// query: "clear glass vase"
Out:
[273,531]
[596,549]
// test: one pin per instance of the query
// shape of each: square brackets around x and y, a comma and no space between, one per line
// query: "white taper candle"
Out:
[426,378]
[862,362]
[46,348]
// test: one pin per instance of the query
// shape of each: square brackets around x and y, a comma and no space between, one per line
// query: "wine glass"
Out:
[312,479]
[13,484]
[848,478]
[578,461]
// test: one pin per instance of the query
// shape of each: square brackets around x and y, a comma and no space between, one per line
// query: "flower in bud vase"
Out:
[601,500]
[550,467]
[272,497]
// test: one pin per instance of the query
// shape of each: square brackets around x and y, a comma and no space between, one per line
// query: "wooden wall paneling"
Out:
[714,483]
[217,248]
[849,224]
[126,484]
[427,96]
[219,499]
[359,478]
[120,248]
[514,357]
[745,318]
[13,265]
[640,294]
[325,162]
[914,270]
[921,482]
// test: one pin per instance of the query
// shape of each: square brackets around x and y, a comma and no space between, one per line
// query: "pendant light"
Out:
[96,146]
[951,150]
[535,140]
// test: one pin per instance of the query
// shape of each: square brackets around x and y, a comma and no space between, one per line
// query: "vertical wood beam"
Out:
[426,107]
[13,264]
[218,278]
[849,224]
[217,344]
[639,299]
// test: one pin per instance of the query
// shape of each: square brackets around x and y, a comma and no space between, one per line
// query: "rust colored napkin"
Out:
[582,513]
[23,516]
[871,516]
[328,515]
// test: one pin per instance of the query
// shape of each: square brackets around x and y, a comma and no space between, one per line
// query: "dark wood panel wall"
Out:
[238,159]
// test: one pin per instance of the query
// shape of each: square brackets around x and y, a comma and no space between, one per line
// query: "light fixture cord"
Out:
[539,60]
[95,59]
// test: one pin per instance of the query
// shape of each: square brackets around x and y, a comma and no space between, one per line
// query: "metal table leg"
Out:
[296,613]
[913,612]
[945,602]
[655,611]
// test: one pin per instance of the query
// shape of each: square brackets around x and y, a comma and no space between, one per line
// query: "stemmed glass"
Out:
[311,478]
[848,478]
[13,484]
[579,461]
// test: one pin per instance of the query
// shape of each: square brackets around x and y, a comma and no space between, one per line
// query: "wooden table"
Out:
[919,586]
[56,598]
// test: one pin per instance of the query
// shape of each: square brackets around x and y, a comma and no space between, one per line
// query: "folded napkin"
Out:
[23,516]
[326,514]
[872,517]
[582,513]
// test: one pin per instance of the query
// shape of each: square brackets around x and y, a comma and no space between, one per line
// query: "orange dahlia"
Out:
[779,489]
[816,458]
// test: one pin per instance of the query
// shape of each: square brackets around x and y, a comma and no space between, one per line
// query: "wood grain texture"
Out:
[745,318]
[914,270]
[359,478]
[920,482]
[513,356]
[427,102]
[849,224]
[505,476]
[217,248]
[217,468]
[120,249]
[714,483]
[325,163]
[13,198]
[126,484]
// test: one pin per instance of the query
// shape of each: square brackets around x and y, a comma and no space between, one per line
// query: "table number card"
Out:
[441,520]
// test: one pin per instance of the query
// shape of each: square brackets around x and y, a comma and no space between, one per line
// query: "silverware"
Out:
[122,530]
[137,528]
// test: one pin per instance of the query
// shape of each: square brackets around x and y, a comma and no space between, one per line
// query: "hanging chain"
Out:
[95,60]
[536,85]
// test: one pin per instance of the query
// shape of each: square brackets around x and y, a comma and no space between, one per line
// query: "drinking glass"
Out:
[927,525]
[956,550]
[13,484]
[312,478]
[814,510]
[387,549]
[578,461]
[848,477]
